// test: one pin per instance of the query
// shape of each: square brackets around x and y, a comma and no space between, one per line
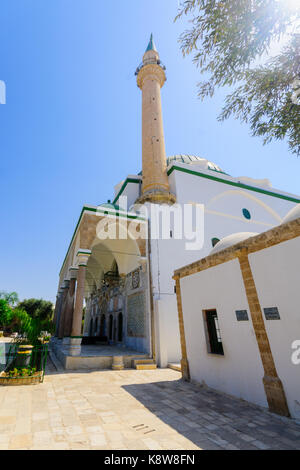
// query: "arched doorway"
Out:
[111,320]
[102,325]
[96,327]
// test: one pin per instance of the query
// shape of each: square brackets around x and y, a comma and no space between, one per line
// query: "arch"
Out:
[124,250]
[102,325]
[236,192]
[114,267]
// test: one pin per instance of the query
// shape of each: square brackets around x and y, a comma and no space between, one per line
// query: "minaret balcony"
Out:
[148,62]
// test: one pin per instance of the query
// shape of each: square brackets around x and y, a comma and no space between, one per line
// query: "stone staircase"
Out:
[144,364]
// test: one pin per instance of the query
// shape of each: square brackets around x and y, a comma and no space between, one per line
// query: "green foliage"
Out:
[21,321]
[5,313]
[28,328]
[10,297]
[37,308]
[227,39]
[21,372]
[29,319]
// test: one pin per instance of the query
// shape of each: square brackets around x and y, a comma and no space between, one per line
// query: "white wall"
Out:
[277,277]
[131,191]
[167,330]
[223,216]
[191,187]
[239,372]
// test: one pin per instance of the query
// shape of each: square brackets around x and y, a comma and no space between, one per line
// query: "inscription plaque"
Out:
[242,315]
[135,279]
[271,313]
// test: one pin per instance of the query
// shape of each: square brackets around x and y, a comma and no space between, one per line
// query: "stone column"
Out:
[76,335]
[69,308]
[273,386]
[65,289]
[59,307]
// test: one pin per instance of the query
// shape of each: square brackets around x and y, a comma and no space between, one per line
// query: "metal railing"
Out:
[22,360]
[147,62]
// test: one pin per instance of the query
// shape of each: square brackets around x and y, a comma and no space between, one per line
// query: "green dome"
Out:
[109,205]
[194,160]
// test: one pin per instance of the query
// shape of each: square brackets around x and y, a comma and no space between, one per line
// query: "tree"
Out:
[29,318]
[5,313]
[228,39]
[37,308]
[10,297]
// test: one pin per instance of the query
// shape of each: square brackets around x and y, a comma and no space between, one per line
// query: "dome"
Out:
[109,205]
[194,160]
[292,214]
[231,240]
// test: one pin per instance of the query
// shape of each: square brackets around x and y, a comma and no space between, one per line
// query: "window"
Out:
[214,241]
[246,214]
[213,334]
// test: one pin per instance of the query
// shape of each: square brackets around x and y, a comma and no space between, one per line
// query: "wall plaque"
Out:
[135,279]
[271,313]
[242,315]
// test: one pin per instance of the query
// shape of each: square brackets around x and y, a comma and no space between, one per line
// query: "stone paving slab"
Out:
[133,409]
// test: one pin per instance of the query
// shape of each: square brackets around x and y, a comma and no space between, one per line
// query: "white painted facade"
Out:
[239,372]
[277,279]
[224,198]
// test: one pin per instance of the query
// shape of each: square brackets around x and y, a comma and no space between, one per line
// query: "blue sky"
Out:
[71,127]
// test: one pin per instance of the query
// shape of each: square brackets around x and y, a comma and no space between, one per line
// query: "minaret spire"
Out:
[151,45]
[150,79]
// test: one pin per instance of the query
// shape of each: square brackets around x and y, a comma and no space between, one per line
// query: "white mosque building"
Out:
[124,287]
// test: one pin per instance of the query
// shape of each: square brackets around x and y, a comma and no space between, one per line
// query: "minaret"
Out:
[150,78]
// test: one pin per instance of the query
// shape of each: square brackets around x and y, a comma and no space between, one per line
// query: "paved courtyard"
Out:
[134,410]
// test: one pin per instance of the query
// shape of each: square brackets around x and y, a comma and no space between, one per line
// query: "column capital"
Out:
[73,270]
[83,256]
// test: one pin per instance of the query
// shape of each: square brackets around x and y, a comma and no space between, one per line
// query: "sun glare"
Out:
[292,5]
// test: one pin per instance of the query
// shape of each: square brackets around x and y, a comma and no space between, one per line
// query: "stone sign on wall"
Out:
[135,279]
[242,315]
[271,313]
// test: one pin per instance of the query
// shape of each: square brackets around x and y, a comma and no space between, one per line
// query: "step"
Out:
[174,366]
[55,361]
[145,366]
[142,361]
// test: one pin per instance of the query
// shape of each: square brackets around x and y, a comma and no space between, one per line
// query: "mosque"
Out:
[119,294]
